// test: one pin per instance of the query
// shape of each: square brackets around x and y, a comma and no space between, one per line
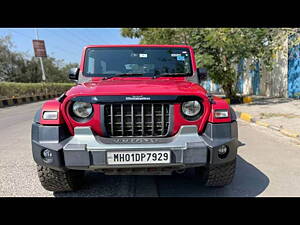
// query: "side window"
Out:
[91,65]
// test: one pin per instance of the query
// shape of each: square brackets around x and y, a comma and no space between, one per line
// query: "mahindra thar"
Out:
[135,110]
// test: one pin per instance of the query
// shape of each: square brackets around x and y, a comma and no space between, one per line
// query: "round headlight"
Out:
[191,108]
[82,109]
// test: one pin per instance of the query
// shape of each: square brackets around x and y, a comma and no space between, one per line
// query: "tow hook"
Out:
[241,144]
[181,171]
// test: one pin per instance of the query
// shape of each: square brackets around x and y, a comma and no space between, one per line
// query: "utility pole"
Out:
[41,61]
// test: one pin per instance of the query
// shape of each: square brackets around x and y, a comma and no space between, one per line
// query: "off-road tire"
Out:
[219,175]
[60,181]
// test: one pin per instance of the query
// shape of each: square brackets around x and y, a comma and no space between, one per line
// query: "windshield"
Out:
[147,61]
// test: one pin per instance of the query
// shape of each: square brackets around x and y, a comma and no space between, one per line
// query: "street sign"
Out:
[39,48]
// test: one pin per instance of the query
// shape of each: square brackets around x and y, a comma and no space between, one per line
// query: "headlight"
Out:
[191,108]
[82,109]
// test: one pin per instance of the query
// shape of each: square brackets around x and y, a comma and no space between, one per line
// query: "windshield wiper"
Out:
[123,75]
[170,75]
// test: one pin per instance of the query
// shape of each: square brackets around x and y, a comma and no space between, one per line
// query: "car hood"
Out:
[132,86]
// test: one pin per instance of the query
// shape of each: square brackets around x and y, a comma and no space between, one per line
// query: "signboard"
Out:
[39,48]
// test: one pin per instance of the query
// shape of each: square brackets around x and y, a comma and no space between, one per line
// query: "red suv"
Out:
[136,110]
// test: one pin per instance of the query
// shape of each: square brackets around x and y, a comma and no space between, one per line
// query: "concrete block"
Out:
[10,101]
[227,100]
[247,99]
[19,100]
[246,116]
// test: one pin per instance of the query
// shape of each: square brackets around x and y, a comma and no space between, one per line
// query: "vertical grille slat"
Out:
[122,119]
[112,120]
[152,119]
[142,119]
[162,117]
[132,120]
[136,119]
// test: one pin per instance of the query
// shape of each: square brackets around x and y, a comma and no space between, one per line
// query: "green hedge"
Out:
[11,89]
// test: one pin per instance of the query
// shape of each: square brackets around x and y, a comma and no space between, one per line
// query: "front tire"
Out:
[60,181]
[219,175]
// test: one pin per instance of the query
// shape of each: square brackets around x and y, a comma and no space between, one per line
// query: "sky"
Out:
[64,43]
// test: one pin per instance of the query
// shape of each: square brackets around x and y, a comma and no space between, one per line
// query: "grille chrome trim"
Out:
[137,119]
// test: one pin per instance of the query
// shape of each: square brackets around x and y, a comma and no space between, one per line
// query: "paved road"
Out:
[268,165]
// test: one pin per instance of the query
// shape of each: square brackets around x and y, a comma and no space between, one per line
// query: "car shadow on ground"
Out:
[249,181]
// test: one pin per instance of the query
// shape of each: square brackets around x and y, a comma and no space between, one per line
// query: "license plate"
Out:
[138,157]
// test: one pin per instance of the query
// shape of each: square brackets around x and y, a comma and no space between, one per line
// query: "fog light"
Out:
[223,151]
[47,156]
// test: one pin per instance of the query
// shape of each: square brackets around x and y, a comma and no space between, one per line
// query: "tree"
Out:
[159,35]
[15,67]
[8,60]
[220,49]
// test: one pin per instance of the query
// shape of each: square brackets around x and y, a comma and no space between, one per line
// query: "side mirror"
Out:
[202,74]
[73,74]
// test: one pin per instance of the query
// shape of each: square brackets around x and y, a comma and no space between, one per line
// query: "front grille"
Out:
[144,120]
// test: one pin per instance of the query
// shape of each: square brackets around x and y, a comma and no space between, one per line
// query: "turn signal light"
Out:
[50,115]
[221,113]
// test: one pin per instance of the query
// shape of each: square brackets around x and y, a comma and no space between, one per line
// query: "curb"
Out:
[289,133]
[275,128]
[261,123]
[296,141]
[239,100]
[249,118]
[22,100]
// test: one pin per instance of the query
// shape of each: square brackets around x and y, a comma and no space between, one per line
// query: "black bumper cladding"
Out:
[86,151]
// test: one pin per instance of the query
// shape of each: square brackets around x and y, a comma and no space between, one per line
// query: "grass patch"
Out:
[14,90]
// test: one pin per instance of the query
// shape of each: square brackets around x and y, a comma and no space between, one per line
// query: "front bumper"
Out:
[87,151]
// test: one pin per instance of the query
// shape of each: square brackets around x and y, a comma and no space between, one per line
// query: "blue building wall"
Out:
[286,72]
[240,82]
[255,75]
[206,84]
[294,72]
